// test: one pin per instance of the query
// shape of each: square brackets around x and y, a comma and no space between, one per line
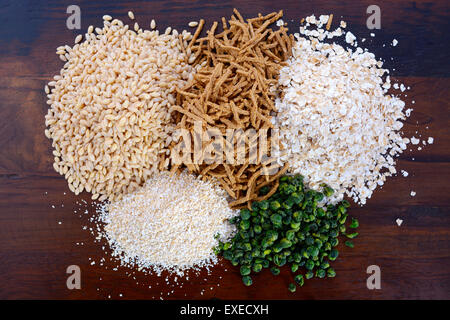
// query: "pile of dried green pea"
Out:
[292,227]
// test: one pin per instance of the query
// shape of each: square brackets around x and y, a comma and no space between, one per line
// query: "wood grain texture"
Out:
[35,249]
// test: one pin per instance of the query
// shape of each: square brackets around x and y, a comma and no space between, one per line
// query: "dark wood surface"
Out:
[35,249]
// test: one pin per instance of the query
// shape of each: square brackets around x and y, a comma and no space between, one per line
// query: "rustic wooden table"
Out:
[40,235]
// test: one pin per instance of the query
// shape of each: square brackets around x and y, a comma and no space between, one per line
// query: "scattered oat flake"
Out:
[414,140]
[399,221]
[408,112]
[350,37]
[430,140]
[413,193]
[394,42]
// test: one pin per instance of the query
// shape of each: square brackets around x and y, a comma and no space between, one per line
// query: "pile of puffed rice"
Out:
[109,115]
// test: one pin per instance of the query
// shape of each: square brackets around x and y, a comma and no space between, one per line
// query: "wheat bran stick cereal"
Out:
[231,90]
